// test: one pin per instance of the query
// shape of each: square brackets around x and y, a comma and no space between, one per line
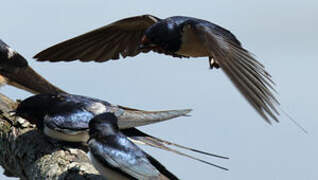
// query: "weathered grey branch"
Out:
[26,153]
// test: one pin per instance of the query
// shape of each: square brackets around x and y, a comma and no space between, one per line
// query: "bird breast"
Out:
[3,80]
[104,170]
[191,45]
[81,136]
[97,108]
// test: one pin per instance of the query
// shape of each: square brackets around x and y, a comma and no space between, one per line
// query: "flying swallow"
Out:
[15,71]
[65,117]
[176,36]
[116,157]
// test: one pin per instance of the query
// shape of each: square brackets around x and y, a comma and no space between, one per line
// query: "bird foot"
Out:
[213,64]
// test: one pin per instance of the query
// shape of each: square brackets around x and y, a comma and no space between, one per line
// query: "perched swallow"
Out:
[176,36]
[116,157]
[65,117]
[15,71]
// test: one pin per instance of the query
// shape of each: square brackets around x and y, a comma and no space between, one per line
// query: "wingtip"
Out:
[38,57]
[134,118]
[184,112]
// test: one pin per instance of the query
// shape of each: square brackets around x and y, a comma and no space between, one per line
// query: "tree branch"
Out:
[26,153]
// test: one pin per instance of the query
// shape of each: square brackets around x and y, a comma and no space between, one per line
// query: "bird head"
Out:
[164,35]
[33,109]
[103,125]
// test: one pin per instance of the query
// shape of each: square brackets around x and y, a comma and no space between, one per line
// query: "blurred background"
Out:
[282,35]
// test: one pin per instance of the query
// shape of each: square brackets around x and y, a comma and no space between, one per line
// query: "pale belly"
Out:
[104,171]
[191,45]
[3,81]
[79,137]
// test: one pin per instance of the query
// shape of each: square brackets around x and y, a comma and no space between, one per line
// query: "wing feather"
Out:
[134,165]
[111,38]
[245,72]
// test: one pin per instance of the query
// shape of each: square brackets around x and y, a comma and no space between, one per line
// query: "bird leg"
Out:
[213,63]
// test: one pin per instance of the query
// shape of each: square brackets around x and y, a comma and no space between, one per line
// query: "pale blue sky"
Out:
[282,34]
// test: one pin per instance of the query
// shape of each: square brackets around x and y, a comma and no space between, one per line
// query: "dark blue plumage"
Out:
[109,149]
[167,33]
[60,110]
[181,21]
[66,116]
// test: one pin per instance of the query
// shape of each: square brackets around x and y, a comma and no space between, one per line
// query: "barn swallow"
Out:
[15,71]
[116,157]
[176,36]
[65,117]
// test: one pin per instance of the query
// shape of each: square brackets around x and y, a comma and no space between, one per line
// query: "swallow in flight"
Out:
[15,71]
[177,36]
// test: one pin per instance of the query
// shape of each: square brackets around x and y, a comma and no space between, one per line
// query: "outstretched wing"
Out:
[15,70]
[109,42]
[10,59]
[245,72]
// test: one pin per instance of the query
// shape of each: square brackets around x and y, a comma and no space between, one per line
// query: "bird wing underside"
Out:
[15,69]
[245,72]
